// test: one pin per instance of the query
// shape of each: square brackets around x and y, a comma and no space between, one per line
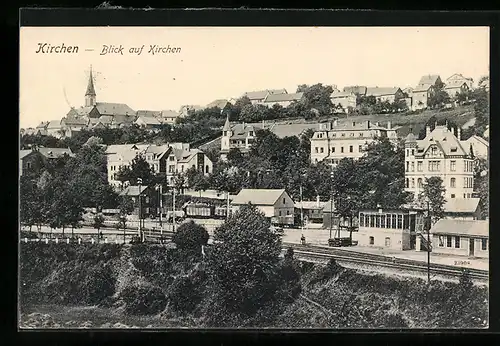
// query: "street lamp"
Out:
[139,183]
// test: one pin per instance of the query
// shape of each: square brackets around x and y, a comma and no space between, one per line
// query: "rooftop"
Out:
[476,228]
[258,196]
[461,205]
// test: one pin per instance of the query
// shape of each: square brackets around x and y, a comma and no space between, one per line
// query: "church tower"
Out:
[90,96]
[226,136]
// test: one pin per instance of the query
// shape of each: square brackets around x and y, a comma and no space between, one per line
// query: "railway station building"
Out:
[461,237]
[395,229]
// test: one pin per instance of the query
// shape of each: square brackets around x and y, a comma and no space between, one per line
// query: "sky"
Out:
[224,62]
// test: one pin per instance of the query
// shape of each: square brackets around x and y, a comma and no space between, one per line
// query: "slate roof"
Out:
[283,97]
[169,114]
[381,91]
[147,113]
[90,87]
[356,89]
[149,120]
[477,228]
[105,119]
[69,120]
[83,111]
[23,153]
[341,94]
[185,155]
[107,108]
[444,139]
[54,124]
[258,196]
[261,94]
[52,153]
[218,103]
[422,88]
[428,79]
[132,190]
[461,205]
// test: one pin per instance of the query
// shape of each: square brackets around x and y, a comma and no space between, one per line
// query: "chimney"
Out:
[427,130]
[243,125]
[459,134]
[389,125]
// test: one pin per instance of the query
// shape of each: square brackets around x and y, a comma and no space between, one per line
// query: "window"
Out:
[430,166]
[182,168]
[361,134]
[412,183]
[400,221]
[438,166]
[407,152]
[341,149]
[382,221]
[171,168]
[367,221]
[387,242]
[342,134]
[452,182]
[453,166]
[419,166]
[172,158]
[452,195]
[407,183]
[284,200]
[147,200]
[360,148]
[372,220]
[351,149]
[406,221]
[413,166]
[394,223]
[288,212]
[280,212]
[413,152]
[362,219]
[225,133]
[321,150]
[388,219]
[448,241]
[316,149]
[484,244]
[352,134]
[377,221]
[407,166]
[466,183]
[441,241]
[251,134]
[419,183]
[457,242]
[372,240]
[207,169]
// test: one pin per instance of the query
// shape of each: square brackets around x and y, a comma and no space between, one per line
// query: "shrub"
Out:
[190,236]
[184,295]
[143,299]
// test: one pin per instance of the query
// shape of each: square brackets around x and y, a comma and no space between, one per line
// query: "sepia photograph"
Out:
[254,177]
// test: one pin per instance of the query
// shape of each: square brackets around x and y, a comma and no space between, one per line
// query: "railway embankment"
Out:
[144,285]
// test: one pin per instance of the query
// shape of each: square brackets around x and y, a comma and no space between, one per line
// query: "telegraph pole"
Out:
[331,205]
[428,244]
[161,209]
[139,183]
[227,207]
[173,208]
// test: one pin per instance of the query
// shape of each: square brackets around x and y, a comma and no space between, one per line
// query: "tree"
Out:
[235,157]
[481,110]
[317,96]
[242,265]
[433,192]
[98,224]
[29,202]
[439,97]
[139,168]
[179,181]
[191,237]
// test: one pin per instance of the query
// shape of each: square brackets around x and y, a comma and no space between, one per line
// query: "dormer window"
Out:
[454,150]
[251,133]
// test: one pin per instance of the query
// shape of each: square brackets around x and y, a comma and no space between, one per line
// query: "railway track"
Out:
[379,261]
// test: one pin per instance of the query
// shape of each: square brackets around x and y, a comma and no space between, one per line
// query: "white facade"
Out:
[439,154]
[334,142]
[180,160]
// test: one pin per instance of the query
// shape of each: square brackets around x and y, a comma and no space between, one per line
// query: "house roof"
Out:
[105,119]
[283,97]
[411,138]
[444,139]
[148,113]
[70,120]
[54,124]
[258,196]
[107,108]
[52,153]
[381,91]
[478,228]
[461,205]
[341,94]
[186,108]
[43,125]
[123,119]
[23,153]
[479,139]
[132,190]
[185,155]
[261,94]
[455,84]
[221,103]
[356,89]
[169,114]
[148,120]
[241,130]
[227,125]
[310,205]
[429,79]
[422,88]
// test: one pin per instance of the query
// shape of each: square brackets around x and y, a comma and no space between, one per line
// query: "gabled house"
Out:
[179,160]
[55,128]
[148,203]
[458,79]
[150,123]
[237,136]
[485,83]
[480,146]
[257,97]
[344,99]
[385,94]
[424,90]
[461,237]
[170,116]
[185,110]
[462,209]
[42,128]
[148,113]
[222,104]
[454,88]
[276,204]
[34,159]
[284,100]
[356,90]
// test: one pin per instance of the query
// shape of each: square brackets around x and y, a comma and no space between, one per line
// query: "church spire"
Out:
[227,126]
[90,96]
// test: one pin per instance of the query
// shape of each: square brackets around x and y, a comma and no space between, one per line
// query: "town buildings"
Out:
[258,97]
[480,146]
[459,79]
[170,117]
[237,136]
[456,87]
[390,95]
[311,211]
[35,159]
[148,199]
[462,209]
[389,228]
[284,100]
[461,237]
[148,122]
[424,90]
[343,99]
[333,141]
[276,204]
[439,154]
[222,104]
[182,158]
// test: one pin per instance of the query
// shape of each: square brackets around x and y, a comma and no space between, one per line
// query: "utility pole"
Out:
[173,208]
[331,204]
[139,183]
[301,209]
[227,207]
[428,244]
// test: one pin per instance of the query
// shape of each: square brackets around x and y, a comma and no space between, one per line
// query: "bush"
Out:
[143,299]
[190,236]
[184,295]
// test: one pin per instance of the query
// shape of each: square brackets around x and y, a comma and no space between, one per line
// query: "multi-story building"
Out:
[458,78]
[257,97]
[385,94]
[344,99]
[439,154]
[34,159]
[181,159]
[424,90]
[237,136]
[284,100]
[333,141]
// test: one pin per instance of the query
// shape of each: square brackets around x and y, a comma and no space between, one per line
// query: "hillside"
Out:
[109,285]
[408,122]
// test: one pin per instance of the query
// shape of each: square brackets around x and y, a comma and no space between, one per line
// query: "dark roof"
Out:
[381,91]
[283,97]
[106,108]
[476,228]
[132,190]
[147,113]
[53,153]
